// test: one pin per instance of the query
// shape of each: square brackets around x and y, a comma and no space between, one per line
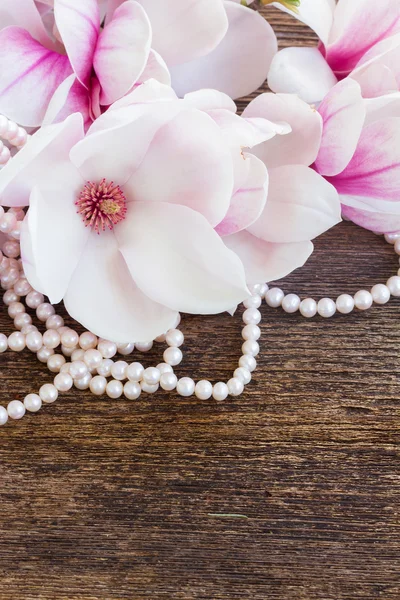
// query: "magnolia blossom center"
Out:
[101,205]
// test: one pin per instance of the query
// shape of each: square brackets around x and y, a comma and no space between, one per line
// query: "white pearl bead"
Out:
[118,370]
[114,389]
[185,386]
[22,287]
[308,308]
[160,338]
[248,362]
[345,304]
[220,391]
[203,390]
[251,316]
[243,374]
[251,332]
[33,402]
[84,382]
[149,388]
[105,368]
[16,341]
[135,371]
[391,237]
[55,363]
[235,386]
[126,349]
[326,307]
[396,246]
[16,409]
[252,302]
[173,356]
[3,415]
[78,369]
[15,308]
[380,293]
[34,299]
[164,368]
[151,375]
[98,385]
[78,354]
[363,300]
[51,338]
[132,390]
[87,340]
[93,358]
[250,347]
[54,322]
[274,297]
[63,382]
[68,351]
[144,346]
[9,297]
[107,349]
[168,381]
[291,303]
[394,285]
[174,338]
[28,329]
[22,320]
[70,339]
[44,354]
[3,343]
[44,311]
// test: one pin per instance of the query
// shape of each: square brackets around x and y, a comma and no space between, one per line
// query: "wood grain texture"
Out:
[290,492]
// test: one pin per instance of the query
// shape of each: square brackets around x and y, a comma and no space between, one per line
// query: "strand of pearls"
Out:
[345,303]
[13,134]
[86,361]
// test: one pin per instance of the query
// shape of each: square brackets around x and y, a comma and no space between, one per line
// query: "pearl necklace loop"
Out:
[345,303]
[13,134]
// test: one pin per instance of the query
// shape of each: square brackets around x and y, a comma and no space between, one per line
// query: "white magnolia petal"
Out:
[301,205]
[317,14]
[266,261]
[239,64]
[176,258]
[375,214]
[29,167]
[302,143]
[301,71]
[103,297]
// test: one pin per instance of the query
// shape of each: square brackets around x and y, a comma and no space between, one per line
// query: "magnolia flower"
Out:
[351,33]
[360,154]
[63,61]
[121,222]
[301,204]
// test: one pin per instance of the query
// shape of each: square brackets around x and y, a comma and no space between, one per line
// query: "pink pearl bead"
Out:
[88,340]
[69,338]
[22,319]
[54,322]
[15,308]
[34,299]
[11,249]
[7,221]
[51,338]
[4,156]
[22,287]
[44,311]
[44,354]
[10,296]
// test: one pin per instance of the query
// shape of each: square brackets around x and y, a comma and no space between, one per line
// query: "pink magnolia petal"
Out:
[122,51]
[183,31]
[103,297]
[191,269]
[359,25]
[375,80]
[374,170]
[343,112]
[24,14]
[239,64]
[209,100]
[301,71]
[265,261]
[301,205]
[29,76]
[374,214]
[382,107]
[188,162]
[58,236]
[31,165]
[70,97]
[79,25]
[248,201]
[301,145]
[317,14]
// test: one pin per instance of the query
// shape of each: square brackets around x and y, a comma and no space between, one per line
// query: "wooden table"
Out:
[289,492]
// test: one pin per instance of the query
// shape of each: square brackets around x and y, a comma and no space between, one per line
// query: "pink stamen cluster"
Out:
[101,205]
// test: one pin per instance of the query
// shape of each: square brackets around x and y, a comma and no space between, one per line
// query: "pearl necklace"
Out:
[13,134]
[344,304]
[91,365]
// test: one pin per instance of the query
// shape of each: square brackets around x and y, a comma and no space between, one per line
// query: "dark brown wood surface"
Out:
[289,492]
